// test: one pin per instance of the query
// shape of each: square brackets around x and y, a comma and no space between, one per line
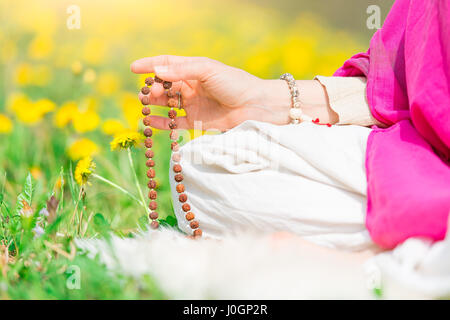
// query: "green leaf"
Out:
[28,188]
[171,220]
[101,225]
[19,203]
[26,194]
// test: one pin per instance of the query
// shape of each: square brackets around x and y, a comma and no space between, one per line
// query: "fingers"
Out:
[147,65]
[200,71]
[163,123]
[176,68]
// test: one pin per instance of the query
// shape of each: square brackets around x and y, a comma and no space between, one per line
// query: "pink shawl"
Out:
[408,89]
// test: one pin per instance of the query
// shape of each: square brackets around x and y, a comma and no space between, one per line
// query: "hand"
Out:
[218,95]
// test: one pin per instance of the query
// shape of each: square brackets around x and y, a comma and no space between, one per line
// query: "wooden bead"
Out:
[146,111]
[172,125]
[178,177]
[148,132]
[175,146]
[154,224]
[145,90]
[176,157]
[153,215]
[190,216]
[186,207]
[146,121]
[170,94]
[180,188]
[149,153]
[174,135]
[173,103]
[150,163]
[198,233]
[153,205]
[177,168]
[194,224]
[151,173]
[145,100]
[148,142]
[151,184]
[149,81]
[152,194]
[182,197]
[172,114]
[158,80]
[167,85]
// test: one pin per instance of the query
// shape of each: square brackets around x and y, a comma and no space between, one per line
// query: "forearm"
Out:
[275,101]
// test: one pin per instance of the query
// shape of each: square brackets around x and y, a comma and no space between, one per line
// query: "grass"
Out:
[47,265]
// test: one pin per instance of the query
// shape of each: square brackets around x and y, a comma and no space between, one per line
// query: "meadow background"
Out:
[65,93]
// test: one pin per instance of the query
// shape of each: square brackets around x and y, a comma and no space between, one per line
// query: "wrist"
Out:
[273,101]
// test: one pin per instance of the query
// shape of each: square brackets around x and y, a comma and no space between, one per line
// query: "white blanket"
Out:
[252,266]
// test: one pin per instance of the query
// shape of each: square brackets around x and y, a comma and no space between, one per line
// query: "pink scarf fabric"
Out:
[408,89]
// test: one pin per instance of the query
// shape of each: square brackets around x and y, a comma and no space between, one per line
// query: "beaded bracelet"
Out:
[295,113]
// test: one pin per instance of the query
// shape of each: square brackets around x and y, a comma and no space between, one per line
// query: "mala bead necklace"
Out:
[173,102]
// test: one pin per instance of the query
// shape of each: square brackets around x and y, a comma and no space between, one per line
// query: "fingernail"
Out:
[161,69]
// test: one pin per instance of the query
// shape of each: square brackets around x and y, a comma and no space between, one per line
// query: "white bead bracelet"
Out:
[295,113]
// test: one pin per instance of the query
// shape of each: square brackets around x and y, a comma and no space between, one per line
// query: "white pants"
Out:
[307,179]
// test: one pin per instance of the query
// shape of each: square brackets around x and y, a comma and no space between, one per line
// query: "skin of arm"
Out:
[222,97]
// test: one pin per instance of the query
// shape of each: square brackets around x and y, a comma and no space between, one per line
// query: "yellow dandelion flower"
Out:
[23,74]
[85,167]
[85,121]
[40,47]
[112,127]
[45,105]
[126,139]
[16,101]
[28,112]
[65,114]
[6,125]
[82,148]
